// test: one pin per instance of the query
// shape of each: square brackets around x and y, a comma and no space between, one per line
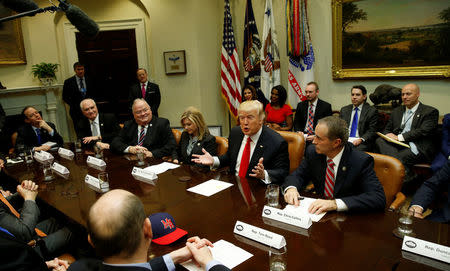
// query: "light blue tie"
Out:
[354,127]
[408,122]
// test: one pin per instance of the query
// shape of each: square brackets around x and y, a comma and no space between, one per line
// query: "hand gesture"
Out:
[204,159]
[292,196]
[258,171]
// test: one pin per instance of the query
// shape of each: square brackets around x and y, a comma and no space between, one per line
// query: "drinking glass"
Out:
[78,146]
[48,173]
[29,156]
[141,157]
[272,194]
[405,222]
[278,259]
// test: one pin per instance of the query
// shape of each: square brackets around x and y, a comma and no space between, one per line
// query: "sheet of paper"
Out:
[303,209]
[210,187]
[160,168]
[50,143]
[224,252]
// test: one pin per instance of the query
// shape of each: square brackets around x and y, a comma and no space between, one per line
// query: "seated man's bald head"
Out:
[115,223]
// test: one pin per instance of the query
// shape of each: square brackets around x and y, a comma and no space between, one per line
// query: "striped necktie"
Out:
[141,136]
[309,128]
[329,180]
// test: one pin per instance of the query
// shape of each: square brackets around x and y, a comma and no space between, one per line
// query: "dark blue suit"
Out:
[356,183]
[426,193]
[442,157]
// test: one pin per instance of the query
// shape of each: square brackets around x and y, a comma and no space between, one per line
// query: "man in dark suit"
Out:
[254,150]
[414,124]
[36,131]
[427,192]
[148,134]
[96,128]
[310,111]
[121,234]
[341,174]
[361,118]
[146,90]
[75,89]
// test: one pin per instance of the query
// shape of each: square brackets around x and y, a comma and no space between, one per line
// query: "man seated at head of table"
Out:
[254,150]
[36,132]
[414,124]
[341,174]
[121,234]
[428,192]
[149,134]
[19,215]
[362,119]
[96,128]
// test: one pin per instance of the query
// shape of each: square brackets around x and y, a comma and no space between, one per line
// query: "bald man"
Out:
[414,124]
[121,234]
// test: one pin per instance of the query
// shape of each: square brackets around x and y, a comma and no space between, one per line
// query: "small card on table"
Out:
[144,175]
[65,153]
[425,248]
[60,169]
[296,219]
[260,235]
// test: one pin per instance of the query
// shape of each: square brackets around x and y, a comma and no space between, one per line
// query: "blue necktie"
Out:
[354,124]
[82,88]
[38,134]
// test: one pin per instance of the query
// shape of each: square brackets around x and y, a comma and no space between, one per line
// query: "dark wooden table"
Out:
[339,241]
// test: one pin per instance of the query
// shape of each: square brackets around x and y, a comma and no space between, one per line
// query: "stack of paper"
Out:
[303,209]
[210,187]
[160,168]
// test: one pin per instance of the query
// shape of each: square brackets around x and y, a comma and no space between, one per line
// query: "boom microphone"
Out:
[20,5]
[79,19]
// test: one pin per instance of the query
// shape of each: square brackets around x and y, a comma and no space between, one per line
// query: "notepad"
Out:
[210,187]
[303,209]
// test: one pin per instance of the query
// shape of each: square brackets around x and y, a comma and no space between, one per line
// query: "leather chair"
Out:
[13,142]
[390,171]
[222,145]
[296,148]
[177,134]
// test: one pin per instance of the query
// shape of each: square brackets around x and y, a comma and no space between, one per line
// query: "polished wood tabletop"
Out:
[339,241]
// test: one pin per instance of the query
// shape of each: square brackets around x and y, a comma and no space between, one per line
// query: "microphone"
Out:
[20,5]
[79,19]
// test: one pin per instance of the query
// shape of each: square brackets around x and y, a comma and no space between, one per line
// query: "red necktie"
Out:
[245,160]
[329,180]
[143,90]
[11,208]
[309,128]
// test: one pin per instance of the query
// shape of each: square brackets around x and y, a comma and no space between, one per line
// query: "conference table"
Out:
[339,241]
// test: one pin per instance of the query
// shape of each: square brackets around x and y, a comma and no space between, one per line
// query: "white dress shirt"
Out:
[95,124]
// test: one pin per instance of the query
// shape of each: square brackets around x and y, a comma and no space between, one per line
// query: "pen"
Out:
[300,198]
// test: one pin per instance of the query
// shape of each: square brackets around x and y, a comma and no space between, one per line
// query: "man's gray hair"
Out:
[85,100]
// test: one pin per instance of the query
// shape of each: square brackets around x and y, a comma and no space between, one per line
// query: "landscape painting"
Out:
[12,50]
[391,38]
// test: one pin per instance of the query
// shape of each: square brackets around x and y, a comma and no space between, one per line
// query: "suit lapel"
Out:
[150,131]
[101,123]
[342,170]
[416,117]
[362,117]
[320,164]
[257,153]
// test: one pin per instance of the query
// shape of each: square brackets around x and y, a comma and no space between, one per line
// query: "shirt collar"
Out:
[359,107]
[95,120]
[414,109]
[146,82]
[337,158]
[255,137]
[314,103]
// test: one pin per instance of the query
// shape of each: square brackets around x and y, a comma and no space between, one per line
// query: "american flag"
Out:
[268,66]
[231,78]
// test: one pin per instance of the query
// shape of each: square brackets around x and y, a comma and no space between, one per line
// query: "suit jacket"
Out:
[27,137]
[72,96]
[159,138]
[208,143]
[423,128]
[356,183]
[157,264]
[367,122]
[152,95]
[109,127]
[323,109]
[428,190]
[18,256]
[23,228]
[271,146]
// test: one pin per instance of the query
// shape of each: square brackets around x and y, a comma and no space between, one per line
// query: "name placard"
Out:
[425,248]
[143,175]
[58,168]
[95,162]
[43,157]
[103,186]
[65,153]
[302,221]
[260,235]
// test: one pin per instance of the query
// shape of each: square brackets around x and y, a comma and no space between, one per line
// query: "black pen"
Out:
[300,198]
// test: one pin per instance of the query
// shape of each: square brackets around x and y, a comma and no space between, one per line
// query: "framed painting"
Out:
[175,62]
[391,38]
[12,50]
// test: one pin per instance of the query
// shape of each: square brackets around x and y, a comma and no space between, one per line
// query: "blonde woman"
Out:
[194,138]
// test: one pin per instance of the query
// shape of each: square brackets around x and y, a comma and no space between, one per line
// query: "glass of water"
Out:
[405,222]
[29,156]
[48,173]
[278,259]
[98,152]
[78,146]
[141,157]
[272,195]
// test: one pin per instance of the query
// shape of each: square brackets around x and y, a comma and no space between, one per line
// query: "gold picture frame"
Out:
[12,50]
[340,71]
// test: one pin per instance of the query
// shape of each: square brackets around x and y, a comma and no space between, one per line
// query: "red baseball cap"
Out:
[164,229]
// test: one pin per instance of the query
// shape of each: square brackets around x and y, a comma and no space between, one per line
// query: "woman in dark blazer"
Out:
[194,138]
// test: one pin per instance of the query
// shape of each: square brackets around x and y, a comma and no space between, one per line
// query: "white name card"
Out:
[302,221]
[260,235]
[65,153]
[43,157]
[103,186]
[425,248]
[92,161]
[143,175]
[58,168]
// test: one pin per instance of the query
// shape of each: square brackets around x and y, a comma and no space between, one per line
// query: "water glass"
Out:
[48,173]
[29,156]
[78,146]
[140,157]
[278,259]
[98,152]
[273,194]
[405,222]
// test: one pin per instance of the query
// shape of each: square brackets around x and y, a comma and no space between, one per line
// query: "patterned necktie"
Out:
[143,90]
[11,208]
[309,128]
[38,135]
[82,88]
[329,180]
[94,129]
[141,136]
[354,124]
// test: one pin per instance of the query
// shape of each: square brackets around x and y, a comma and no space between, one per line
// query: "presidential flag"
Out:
[270,56]
[231,81]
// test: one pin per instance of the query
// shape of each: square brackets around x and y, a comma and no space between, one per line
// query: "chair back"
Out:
[177,134]
[390,171]
[296,148]
[13,142]
[222,145]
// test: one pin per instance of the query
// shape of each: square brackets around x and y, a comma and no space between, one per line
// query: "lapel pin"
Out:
[198,144]
[260,146]
[101,124]
[151,124]
[344,168]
